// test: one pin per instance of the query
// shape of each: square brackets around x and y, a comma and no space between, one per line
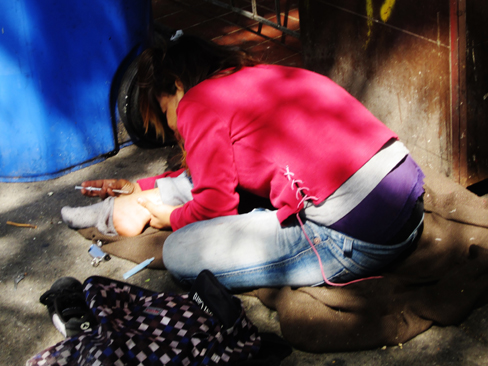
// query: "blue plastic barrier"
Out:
[59,67]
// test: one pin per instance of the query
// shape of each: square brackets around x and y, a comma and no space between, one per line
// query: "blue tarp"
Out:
[59,64]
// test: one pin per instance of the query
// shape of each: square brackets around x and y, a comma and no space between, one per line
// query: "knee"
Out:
[171,255]
[180,257]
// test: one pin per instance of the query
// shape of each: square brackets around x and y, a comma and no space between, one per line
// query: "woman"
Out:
[346,195]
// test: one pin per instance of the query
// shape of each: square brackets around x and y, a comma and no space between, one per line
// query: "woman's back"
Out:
[263,119]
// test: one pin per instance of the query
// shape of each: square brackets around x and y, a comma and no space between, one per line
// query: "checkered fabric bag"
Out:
[141,327]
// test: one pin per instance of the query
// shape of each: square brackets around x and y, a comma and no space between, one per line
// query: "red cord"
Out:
[322,267]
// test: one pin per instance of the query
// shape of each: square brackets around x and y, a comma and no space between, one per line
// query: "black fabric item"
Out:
[67,307]
[208,293]
[273,350]
[139,327]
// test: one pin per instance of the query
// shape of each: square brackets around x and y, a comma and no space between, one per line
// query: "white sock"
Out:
[99,215]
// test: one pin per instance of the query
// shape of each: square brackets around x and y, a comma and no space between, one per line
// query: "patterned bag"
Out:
[141,327]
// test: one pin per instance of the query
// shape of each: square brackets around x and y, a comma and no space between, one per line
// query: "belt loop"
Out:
[347,246]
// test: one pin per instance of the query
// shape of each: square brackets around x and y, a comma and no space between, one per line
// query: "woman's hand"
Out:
[160,213]
[108,185]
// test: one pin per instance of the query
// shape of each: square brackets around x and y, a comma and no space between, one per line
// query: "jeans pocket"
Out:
[355,264]
[342,276]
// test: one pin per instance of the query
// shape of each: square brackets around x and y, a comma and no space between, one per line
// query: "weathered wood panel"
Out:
[395,57]
[477,89]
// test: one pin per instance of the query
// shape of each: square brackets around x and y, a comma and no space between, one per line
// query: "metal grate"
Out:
[254,15]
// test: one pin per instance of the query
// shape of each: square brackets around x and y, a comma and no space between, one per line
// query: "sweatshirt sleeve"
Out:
[150,182]
[210,160]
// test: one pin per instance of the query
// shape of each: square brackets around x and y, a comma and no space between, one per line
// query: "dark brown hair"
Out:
[188,59]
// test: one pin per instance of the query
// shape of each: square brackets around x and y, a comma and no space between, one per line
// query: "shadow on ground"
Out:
[51,250]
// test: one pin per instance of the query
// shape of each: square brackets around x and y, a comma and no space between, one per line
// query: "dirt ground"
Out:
[51,250]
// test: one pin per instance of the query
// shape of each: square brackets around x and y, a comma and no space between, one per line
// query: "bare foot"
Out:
[129,217]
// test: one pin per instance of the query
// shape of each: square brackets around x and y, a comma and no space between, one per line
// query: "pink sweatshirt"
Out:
[269,130]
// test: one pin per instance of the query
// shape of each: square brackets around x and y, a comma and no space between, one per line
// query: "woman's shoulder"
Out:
[261,83]
[252,75]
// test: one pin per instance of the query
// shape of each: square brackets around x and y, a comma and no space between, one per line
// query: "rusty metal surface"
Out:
[394,56]
[279,22]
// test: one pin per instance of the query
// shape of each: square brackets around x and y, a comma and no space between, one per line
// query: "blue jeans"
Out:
[253,250]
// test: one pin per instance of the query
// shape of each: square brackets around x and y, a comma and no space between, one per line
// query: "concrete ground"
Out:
[51,250]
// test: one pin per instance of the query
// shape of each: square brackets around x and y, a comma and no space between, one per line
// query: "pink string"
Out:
[299,191]
[322,267]
[294,185]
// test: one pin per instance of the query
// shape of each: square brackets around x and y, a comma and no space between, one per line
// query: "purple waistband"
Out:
[387,208]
